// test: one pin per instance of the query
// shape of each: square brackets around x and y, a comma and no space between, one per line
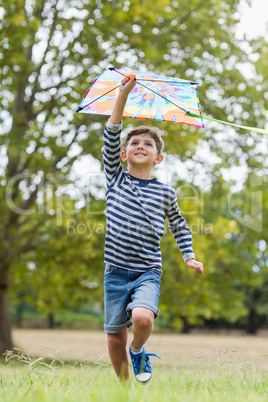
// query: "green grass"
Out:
[26,378]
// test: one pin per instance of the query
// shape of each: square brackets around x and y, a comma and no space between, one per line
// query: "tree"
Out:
[251,209]
[51,50]
[188,298]
[63,271]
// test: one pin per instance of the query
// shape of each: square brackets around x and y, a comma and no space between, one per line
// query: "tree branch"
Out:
[51,33]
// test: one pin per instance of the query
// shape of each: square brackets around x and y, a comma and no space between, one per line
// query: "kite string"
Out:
[257,130]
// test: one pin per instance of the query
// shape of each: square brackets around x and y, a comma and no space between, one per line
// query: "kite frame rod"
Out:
[150,89]
[153,80]
[169,82]
[110,90]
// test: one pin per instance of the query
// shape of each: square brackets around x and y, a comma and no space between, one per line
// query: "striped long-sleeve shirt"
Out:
[136,212]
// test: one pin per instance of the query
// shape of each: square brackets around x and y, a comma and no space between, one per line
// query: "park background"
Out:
[52,185]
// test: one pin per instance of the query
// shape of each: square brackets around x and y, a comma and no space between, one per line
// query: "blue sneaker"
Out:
[142,365]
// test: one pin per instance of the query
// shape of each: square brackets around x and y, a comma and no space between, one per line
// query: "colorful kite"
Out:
[154,97]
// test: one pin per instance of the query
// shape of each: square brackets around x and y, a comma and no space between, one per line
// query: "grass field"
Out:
[192,368]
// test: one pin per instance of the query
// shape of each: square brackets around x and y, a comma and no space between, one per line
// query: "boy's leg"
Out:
[116,299]
[143,310]
[118,354]
[144,306]
[143,323]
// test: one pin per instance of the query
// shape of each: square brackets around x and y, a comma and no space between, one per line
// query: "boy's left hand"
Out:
[198,266]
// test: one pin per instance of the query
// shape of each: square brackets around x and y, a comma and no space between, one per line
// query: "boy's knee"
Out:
[116,341]
[142,317]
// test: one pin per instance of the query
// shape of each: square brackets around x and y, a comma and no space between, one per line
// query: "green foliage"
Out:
[229,240]
[63,270]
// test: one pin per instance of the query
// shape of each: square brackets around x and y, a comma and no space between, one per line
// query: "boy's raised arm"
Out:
[111,136]
[127,84]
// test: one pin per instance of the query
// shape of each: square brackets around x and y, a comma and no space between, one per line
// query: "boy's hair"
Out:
[154,132]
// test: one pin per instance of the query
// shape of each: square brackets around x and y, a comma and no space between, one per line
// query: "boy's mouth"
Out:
[140,153]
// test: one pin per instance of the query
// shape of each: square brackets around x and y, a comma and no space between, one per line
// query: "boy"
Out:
[136,209]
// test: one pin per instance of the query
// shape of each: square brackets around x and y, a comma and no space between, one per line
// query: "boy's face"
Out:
[141,151]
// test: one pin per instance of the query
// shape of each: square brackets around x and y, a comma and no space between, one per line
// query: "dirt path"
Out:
[174,349]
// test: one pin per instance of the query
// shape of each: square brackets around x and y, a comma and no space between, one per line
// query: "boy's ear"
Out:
[124,156]
[159,159]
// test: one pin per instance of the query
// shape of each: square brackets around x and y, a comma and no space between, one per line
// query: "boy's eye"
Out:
[136,142]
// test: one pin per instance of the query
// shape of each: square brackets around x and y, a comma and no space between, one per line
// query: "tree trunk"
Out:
[5,322]
[19,315]
[252,321]
[186,327]
[51,321]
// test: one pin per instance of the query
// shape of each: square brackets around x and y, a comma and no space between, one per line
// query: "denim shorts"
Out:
[124,290]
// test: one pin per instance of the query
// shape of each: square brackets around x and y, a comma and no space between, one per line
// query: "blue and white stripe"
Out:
[136,212]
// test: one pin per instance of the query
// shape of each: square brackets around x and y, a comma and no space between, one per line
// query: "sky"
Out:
[254,19]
